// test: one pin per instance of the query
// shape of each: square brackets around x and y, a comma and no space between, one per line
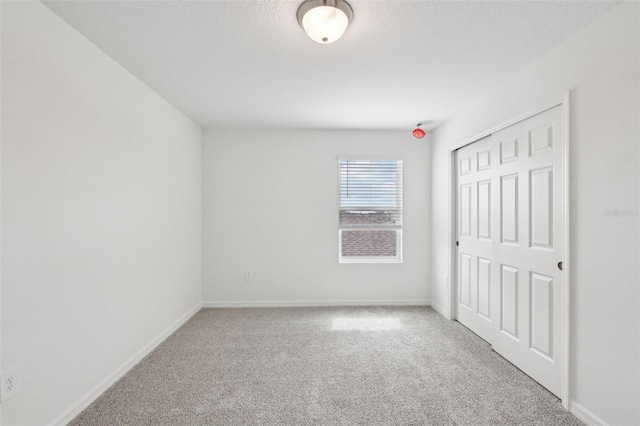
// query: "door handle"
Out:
[560,265]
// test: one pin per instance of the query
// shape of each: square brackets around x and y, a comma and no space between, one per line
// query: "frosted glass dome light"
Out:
[325,21]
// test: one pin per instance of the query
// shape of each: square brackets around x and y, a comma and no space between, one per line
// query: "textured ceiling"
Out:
[249,64]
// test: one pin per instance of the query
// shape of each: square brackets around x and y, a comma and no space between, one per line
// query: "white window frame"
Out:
[359,227]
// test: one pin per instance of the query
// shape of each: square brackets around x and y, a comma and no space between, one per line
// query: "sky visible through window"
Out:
[369,184]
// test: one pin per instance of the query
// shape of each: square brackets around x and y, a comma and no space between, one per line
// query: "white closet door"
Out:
[475,233]
[509,208]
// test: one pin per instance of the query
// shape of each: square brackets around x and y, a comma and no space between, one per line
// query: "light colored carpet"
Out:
[324,366]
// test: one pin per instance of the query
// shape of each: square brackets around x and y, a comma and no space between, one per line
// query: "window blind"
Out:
[370,194]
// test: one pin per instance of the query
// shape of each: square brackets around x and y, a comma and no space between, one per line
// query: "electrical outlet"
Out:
[9,383]
[248,276]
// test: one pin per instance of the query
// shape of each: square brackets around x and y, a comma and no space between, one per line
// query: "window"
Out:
[370,213]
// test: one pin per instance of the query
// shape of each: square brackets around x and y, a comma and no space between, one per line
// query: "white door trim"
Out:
[564,102]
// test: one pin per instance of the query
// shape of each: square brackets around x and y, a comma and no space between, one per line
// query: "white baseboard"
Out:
[442,311]
[302,303]
[586,416]
[94,393]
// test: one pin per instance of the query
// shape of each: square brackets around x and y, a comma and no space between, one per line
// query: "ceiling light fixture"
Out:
[418,132]
[325,21]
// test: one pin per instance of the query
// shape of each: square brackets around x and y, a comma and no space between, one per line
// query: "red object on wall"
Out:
[419,133]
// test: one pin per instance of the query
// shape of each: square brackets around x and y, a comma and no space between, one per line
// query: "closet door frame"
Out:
[564,102]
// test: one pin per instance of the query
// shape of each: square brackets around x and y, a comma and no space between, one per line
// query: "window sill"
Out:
[370,260]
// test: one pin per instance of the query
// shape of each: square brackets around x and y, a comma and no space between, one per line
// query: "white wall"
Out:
[0,214]
[600,65]
[270,206]
[101,202]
